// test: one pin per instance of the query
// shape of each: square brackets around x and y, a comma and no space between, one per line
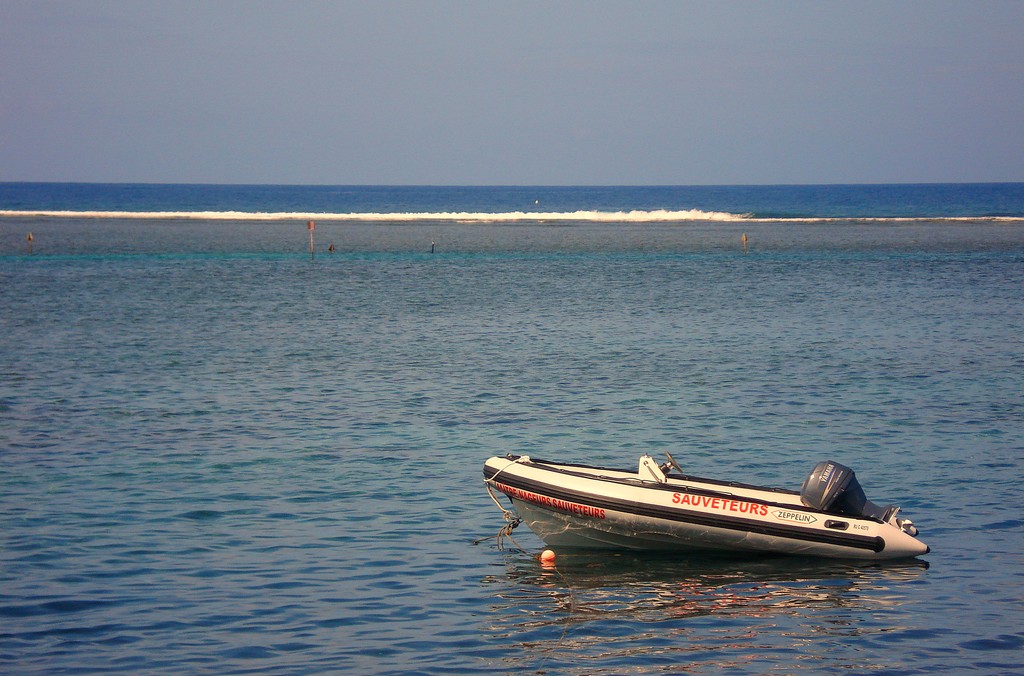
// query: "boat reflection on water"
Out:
[721,612]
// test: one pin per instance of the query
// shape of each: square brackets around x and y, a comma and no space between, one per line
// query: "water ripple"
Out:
[244,464]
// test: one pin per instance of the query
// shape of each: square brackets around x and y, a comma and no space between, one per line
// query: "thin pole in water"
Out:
[312,226]
[30,239]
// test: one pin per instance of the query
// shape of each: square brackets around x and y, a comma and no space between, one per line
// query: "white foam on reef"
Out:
[636,216]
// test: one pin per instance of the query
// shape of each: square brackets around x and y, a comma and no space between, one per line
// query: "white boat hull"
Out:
[575,506]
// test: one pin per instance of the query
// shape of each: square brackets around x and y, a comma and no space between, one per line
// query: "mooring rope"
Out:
[512,520]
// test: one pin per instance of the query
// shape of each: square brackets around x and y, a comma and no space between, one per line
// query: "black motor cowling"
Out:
[832,487]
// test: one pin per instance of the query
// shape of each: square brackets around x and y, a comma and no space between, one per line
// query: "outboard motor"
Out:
[832,487]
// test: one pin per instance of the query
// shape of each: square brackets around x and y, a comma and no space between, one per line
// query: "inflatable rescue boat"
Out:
[653,508]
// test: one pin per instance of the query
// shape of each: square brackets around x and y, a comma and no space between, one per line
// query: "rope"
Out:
[512,520]
[490,492]
[509,515]
[495,475]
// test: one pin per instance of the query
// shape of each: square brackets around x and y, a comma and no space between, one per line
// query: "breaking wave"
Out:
[461,216]
[583,216]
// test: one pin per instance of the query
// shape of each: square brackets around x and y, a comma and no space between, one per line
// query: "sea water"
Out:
[225,454]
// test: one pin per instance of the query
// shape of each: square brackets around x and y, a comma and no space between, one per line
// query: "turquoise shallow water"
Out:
[221,455]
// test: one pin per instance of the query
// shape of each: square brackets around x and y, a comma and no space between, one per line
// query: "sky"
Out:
[511,93]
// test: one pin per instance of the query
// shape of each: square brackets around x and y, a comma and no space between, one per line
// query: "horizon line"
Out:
[511,185]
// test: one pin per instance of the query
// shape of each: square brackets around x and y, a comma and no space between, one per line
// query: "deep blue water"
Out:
[815,201]
[224,455]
